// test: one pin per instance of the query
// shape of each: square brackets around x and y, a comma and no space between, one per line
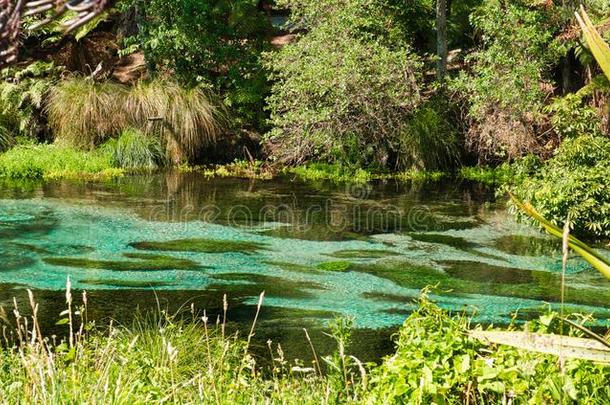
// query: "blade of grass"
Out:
[596,260]
[599,48]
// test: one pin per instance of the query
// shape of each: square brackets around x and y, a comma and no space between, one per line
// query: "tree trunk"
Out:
[441,39]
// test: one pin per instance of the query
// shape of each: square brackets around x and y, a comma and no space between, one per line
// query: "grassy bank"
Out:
[192,359]
[48,162]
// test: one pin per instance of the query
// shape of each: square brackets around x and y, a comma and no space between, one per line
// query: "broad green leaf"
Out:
[595,259]
[598,46]
[557,345]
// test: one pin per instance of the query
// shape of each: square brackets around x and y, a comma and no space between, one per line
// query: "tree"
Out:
[441,38]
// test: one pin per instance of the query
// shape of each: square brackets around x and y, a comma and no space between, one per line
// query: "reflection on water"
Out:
[317,250]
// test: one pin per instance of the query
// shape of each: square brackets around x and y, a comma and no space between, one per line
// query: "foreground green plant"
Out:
[438,361]
[190,359]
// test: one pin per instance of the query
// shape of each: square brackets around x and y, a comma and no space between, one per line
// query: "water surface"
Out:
[317,250]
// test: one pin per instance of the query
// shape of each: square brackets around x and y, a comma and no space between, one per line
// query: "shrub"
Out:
[573,186]
[345,89]
[509,80]
[135,150]
[54,161]
[571,118]
[437,362]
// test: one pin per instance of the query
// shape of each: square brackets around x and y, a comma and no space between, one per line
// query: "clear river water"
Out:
[318,250]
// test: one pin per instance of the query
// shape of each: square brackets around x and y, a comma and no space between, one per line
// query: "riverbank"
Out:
[52,162]
[191,358]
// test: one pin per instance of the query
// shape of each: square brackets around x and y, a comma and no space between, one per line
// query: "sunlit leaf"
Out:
[557,345]
[599,48]
[596,260]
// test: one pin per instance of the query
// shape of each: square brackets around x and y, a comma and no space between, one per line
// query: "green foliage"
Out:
[428,142]
[437,362]
[345,89]
[22,94]
[510,78]
[324,171]
[136,150]
[570,118]
[215,42]
[572,186]
[54,161]
[504,174]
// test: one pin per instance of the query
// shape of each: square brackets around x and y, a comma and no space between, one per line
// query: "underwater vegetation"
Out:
[143,262]
[200,246]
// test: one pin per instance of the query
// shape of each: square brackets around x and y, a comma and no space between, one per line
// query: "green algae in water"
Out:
[201,246]
[244,284]
[295,267]
[334,266]
[10,262]
[362,254]
[521,245]
[144,263]
[127,283]
[453,241]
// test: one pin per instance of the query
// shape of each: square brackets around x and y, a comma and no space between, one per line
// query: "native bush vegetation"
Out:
[510,79]
[217,43]
[349,89]
[572,186]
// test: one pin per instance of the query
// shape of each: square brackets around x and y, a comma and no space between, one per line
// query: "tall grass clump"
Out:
[135,150]
[83,113]
[186,118]
[428,142]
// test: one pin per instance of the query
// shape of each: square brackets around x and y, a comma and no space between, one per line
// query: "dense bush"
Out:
[510,78]
[574,186]
[346,89]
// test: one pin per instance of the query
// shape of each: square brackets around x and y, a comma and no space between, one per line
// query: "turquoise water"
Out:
[317,250]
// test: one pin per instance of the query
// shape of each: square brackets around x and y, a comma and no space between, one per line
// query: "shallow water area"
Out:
[318,250]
